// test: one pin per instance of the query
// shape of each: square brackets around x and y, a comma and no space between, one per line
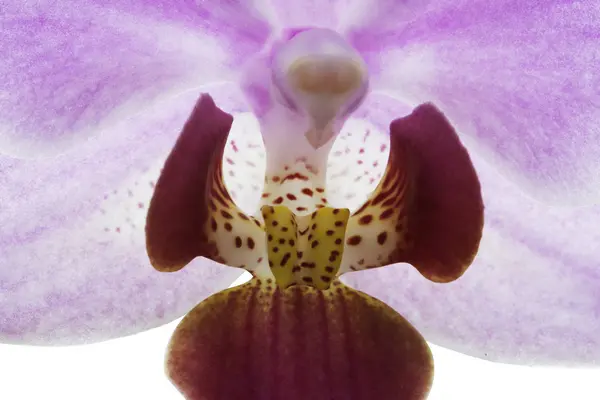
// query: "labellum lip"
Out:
[257,341]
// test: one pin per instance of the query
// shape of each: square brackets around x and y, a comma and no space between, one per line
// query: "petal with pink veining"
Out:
[73,264]
[74,68]
[517,77]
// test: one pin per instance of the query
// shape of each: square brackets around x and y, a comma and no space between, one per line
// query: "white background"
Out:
[131,368]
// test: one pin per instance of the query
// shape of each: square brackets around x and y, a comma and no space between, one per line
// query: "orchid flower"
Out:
[95,93]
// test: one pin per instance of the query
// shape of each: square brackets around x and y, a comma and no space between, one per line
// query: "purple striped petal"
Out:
[73,263]
[74,68]
[517,77]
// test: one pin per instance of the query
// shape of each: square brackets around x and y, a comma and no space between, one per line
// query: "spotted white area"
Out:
[121,215]
[244,163]
[300,187]
[236,239]
[356,163]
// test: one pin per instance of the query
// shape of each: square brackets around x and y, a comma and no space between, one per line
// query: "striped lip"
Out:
[257,342]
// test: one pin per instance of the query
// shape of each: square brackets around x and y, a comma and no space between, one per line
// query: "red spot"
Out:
[361,151]
[140,205]
[365,219]
[118,230]
[234,146]
[354,240]
[381,238]
[294,176]
[229,161]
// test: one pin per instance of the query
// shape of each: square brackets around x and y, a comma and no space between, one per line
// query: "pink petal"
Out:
[74,267]
[73,68]
[530,297]
[518,77]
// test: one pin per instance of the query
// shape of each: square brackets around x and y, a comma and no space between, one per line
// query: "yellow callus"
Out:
[305,249]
